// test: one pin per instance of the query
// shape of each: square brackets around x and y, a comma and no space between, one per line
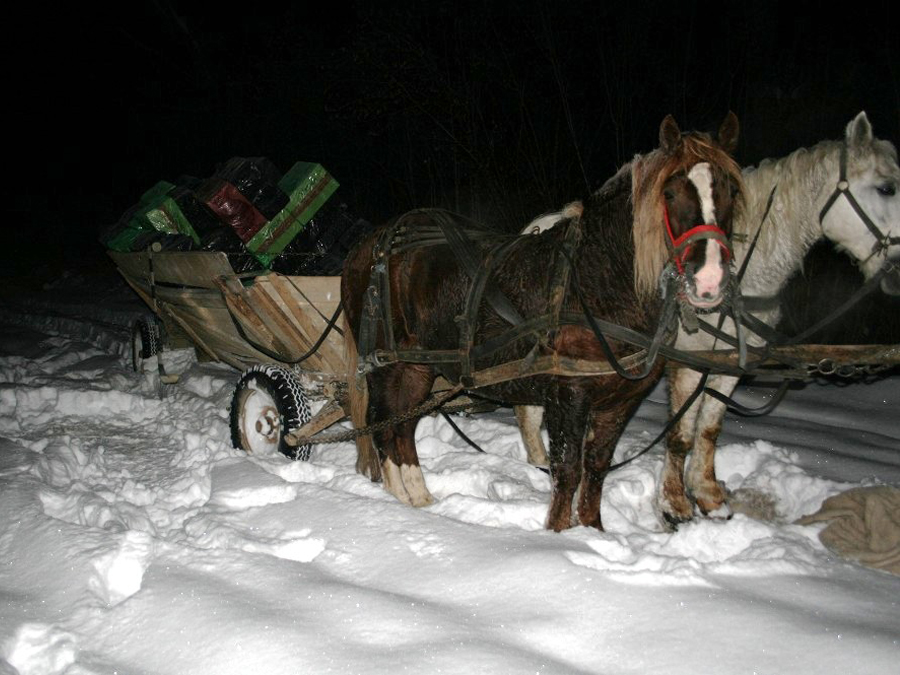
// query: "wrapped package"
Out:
[321,248]
[256,178]
[231,207]
[308,187]
[131,230]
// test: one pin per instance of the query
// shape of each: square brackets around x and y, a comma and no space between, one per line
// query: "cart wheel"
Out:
[145,342]
[268,402]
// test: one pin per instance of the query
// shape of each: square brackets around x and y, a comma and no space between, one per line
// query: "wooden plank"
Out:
[323,294]
[328,415]
[215,329]
[309,321]
[192,334]
[285,340]
[197,269]
[811,354]
[282,314]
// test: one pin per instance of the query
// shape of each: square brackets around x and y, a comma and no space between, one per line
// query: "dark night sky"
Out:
[504,107]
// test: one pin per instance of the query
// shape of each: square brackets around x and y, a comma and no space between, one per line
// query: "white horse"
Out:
[815,197]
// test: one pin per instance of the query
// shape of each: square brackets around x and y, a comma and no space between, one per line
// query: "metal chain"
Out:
[846,370]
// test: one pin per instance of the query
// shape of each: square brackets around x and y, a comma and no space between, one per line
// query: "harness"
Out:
[479,262]
[680,246]
[773,337]
[398,239]
[882,241]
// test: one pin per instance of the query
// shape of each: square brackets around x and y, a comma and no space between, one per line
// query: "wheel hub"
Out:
[268,424]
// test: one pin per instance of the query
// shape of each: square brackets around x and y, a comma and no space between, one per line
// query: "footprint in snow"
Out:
[238,487]
[120,572]
[39,649]
[242,485]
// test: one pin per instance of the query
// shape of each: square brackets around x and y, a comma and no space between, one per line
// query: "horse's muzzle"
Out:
[705,284]
[890,283]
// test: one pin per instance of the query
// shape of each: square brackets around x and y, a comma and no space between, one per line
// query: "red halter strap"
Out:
[704,231]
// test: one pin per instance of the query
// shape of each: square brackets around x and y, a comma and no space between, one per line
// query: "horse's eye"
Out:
[887,190]
[668,194]
[734,189]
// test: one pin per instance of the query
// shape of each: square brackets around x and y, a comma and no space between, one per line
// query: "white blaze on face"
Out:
[709,277]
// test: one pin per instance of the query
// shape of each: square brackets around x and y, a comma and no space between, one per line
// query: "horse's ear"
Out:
[669,135]
[859,131]
[728,133]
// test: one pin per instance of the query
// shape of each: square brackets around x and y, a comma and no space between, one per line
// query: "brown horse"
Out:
[675,203]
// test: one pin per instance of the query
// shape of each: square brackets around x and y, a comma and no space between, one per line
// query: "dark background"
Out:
[500,110]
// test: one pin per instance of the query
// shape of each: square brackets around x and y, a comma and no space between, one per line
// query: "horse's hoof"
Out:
[406,483]
[720,512]
[674,511]
[671,521]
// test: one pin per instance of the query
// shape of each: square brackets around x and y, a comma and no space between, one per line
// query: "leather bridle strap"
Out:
[679,245]
[882,241]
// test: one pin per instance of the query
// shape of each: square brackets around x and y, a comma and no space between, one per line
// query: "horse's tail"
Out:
[358,393]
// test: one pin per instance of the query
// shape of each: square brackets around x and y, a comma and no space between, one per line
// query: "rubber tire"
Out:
[145,342]
[268,401]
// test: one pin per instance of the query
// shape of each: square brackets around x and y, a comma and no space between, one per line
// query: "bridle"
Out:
[680,246]
[882,241]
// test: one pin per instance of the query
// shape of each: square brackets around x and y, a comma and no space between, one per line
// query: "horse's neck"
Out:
[791,226]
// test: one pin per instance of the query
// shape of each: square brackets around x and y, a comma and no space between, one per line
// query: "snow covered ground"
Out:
[135,540]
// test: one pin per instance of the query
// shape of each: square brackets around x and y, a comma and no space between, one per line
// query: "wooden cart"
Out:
[260,324]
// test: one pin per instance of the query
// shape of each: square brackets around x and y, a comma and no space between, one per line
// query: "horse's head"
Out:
[861,214]
[685,202]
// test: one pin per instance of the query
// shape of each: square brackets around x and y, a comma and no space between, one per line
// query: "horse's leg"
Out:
[567,413]
[394,390]
[606,428]
[672,500]
[530,418]
[702,485]
[367,462]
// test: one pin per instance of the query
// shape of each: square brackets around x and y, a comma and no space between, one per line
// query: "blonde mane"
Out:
[649,174]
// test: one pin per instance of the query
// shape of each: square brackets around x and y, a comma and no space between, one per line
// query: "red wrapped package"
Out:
[231,207]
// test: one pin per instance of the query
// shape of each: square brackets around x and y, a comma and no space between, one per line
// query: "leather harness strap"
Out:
[882,241]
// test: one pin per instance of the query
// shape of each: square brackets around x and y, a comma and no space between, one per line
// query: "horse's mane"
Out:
[797,178]
[648,176]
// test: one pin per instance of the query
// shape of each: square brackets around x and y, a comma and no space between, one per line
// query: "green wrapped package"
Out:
[132,224]
[162,213]
[156,211]
[123,236]
[308,187]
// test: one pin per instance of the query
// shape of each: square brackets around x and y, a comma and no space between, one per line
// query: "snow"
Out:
[135,540]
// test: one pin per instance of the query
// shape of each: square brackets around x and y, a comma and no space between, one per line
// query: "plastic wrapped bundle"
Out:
[202,220]
[321,248]
[256,178]
[164,209]
[309,186]
[231,207]
[225,240]
[133,228]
